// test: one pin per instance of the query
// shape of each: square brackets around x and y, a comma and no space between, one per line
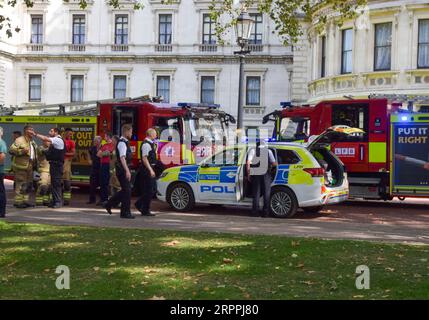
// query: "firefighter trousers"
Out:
[67,181]
[43,189]
[23,185]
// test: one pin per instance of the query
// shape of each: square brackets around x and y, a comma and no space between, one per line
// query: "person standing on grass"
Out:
[104,154]
[94,177]
[3,151]
[123,162]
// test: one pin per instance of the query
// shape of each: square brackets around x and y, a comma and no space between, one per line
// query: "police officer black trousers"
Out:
[123,196]
[147,189]
[56,172]
[261,184]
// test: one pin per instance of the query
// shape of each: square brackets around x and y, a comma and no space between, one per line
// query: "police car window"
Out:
[287,157]
[225,158]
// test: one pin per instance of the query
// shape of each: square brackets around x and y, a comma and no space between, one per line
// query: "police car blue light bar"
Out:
[198,105]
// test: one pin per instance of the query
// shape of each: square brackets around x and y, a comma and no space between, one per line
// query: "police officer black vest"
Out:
[56,155]
[128,154]
[152,153]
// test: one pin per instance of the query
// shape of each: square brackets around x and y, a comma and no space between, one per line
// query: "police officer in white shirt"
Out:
[122,167]
[55,156]
[147,174]
[260,160]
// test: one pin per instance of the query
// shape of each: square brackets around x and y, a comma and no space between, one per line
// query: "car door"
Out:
[218,175]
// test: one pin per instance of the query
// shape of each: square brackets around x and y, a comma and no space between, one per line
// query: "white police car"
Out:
[299,180]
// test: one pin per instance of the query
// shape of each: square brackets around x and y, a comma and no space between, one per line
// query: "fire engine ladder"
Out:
[86,108]
[82,108]
[409,100]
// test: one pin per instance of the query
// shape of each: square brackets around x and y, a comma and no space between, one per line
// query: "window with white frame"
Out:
[253,91]
[36,29]
[121,29]
[76,88]
[165,28]
[208,89]
[256,35]
[78,31]
[383,46]
[347,51]
[423,50]
[163,87]
[35,87]
[119,87]
[209,34]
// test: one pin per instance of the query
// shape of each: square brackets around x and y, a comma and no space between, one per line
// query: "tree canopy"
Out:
[287,15]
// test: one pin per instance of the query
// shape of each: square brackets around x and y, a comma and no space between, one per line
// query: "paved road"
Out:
[379,221]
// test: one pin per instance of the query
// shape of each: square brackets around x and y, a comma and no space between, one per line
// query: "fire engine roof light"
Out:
[286,104]
[198,105]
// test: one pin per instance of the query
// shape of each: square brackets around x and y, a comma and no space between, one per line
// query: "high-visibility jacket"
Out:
[21,159]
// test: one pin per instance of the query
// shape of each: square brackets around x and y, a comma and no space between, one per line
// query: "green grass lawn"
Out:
[140,264]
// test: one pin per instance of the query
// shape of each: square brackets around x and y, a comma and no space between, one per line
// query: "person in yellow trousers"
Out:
[68,157]
[43,185]
[24,151]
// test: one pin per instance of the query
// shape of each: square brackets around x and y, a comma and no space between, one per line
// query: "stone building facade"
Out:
[67,54]
[384,51]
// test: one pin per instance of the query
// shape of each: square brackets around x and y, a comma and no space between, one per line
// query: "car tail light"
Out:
[315,172]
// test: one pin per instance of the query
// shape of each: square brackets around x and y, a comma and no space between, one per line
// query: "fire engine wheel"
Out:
[283,203]
[401,198]
[180,197]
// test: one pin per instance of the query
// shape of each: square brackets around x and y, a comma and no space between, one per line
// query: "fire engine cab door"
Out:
[351,149]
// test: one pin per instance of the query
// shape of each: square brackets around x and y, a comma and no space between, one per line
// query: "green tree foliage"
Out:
[287,15]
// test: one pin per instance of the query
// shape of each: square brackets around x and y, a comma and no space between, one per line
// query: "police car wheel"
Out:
[181,198]
[283,203]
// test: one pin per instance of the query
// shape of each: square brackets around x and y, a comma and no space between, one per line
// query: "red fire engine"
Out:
[189,124]
[382,163]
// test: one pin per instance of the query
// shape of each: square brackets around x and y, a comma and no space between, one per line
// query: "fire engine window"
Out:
[123,116]
[294,129]
[167,128]
[355,116]
[287,157]
[203,128]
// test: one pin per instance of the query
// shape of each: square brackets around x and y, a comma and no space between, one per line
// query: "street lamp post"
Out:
[243,30]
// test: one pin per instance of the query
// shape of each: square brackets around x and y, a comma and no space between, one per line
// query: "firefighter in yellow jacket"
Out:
[44,183]
[24,150]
